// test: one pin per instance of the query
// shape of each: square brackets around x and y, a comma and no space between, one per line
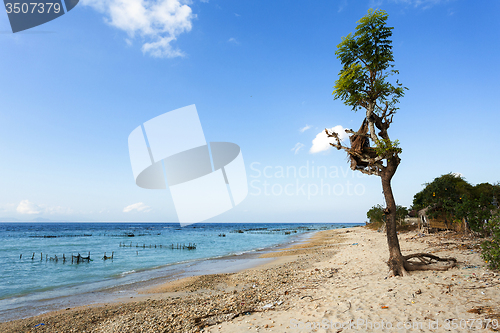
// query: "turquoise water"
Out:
[135,257]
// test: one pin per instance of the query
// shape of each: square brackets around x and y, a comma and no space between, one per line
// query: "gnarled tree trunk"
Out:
[396,261]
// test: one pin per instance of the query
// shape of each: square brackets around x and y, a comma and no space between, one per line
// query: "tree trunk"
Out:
[396,261]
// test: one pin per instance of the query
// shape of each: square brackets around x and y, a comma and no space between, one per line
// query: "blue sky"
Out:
[261,75]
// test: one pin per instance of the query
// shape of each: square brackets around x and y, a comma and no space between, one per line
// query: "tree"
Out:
[376,214]
[452,198]
[491,248]
[401,214]
[443,195]
[367,64]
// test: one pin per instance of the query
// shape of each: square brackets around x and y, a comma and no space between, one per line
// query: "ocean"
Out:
[35,278]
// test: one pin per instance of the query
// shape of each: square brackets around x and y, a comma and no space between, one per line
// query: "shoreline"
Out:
[190,291]
[335,277]
[112,290]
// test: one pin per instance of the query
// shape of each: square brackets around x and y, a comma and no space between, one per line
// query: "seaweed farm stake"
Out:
[106,258]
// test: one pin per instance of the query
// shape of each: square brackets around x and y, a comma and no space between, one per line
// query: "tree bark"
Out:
[396,261]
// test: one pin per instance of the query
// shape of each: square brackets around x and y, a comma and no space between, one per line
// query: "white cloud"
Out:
[205,1]
[158,22]
[305,128]
[232,40]
[28,207]
[322,142]
[458,175]
[237,15]
[140,207]
[297,147]
[421,3]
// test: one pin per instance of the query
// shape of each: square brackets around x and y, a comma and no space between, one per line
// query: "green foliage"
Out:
[376,214]
[491,248]
[477,211]
[386,147]
[442,191]
[401,213]
[451,197]
[367,59]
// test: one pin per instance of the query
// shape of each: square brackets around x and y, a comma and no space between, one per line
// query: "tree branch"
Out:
[370,116]
[374,166]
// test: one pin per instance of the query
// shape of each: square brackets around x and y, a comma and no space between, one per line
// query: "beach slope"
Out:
[337,281]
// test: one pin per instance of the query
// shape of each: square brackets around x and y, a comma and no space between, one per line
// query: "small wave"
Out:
[248,251]
[128,272]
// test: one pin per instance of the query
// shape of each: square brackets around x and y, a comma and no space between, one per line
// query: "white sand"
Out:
[360,289]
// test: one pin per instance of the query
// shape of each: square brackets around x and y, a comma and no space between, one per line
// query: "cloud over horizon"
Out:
[27,207]
[140,207]
[31,208]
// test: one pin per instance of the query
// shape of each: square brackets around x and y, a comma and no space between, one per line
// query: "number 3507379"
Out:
[32,7]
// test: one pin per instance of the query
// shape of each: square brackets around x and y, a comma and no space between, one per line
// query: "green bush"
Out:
[491,248]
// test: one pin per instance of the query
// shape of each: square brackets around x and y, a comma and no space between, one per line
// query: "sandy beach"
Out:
[336,282]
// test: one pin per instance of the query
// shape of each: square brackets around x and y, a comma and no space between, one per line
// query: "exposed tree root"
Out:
[427,262]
